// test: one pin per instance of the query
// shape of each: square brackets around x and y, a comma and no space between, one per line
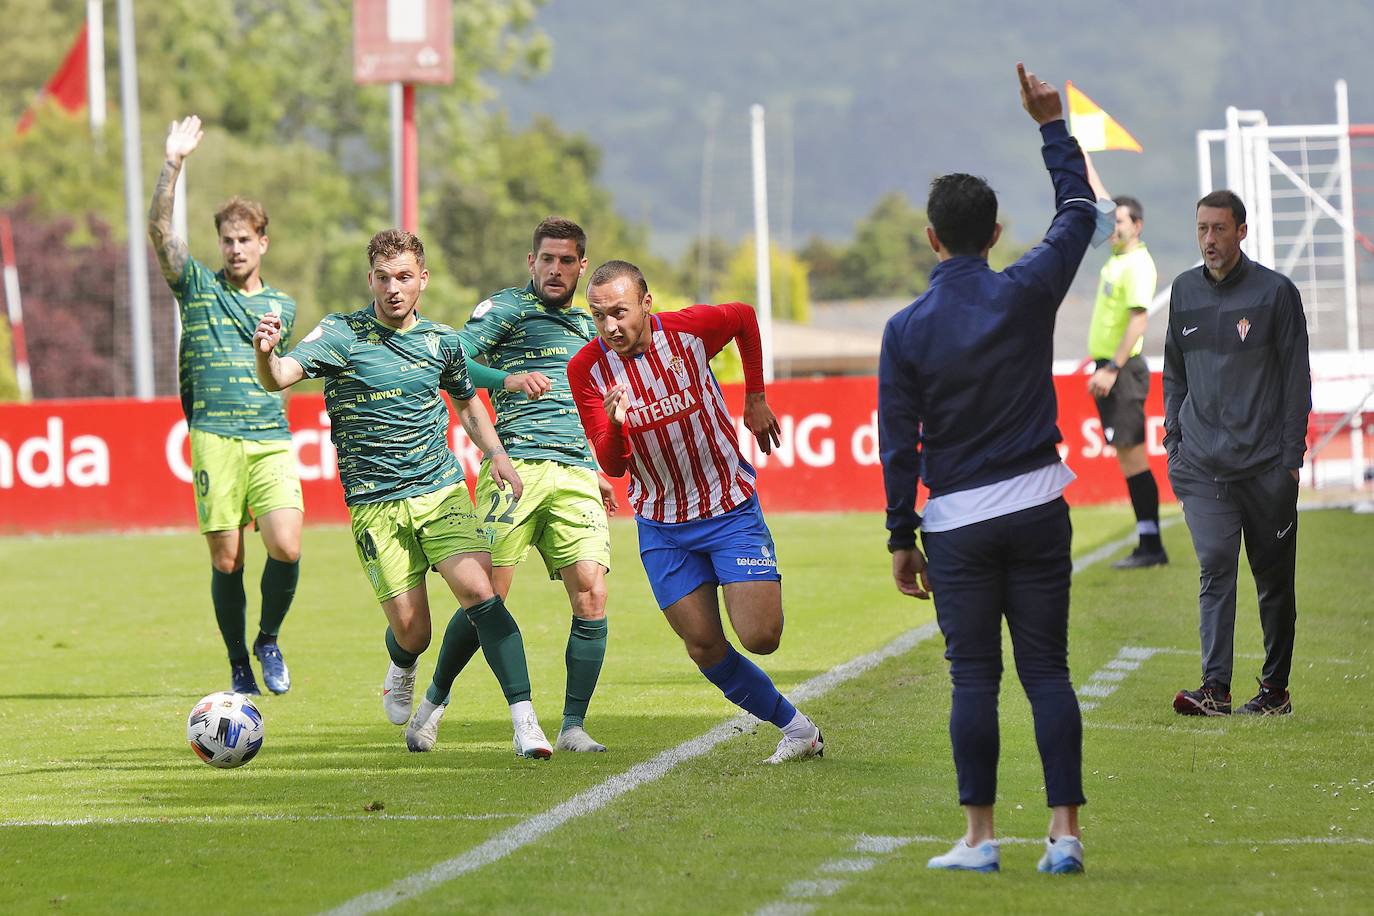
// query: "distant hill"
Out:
[867,96]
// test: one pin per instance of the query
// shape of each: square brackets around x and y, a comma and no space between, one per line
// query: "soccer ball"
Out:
[225,729]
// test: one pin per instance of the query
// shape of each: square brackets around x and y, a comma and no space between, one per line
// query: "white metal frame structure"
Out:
[1297,187]
[1296,182]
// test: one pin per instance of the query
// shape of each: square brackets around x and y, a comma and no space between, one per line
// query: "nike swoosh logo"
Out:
[1285,531]
[1187,331]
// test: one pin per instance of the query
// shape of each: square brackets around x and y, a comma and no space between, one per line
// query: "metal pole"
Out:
[410,161]
[140,327]
[1204,164]
[15,310]
[762,267]
[1352,302]
[397,189]
[95,65]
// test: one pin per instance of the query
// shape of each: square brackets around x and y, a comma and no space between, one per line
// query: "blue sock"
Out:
[745,685]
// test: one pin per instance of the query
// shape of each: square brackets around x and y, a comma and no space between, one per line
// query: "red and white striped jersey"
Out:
[678,440]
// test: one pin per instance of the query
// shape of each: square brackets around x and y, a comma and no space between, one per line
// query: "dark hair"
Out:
[392,242]
[243,210]
[614,270]
[963,212]
[1228,200]
[1132,206]
[556,227]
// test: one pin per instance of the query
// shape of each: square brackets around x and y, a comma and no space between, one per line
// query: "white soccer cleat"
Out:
[985,857]
[790,748]
[398,693]
[1063,856]
[423,729]
[530,740]
[575,738]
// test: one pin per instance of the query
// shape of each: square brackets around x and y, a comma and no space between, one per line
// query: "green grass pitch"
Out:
[103,807]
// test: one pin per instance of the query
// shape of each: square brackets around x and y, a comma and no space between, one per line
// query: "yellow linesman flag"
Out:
[1095,129]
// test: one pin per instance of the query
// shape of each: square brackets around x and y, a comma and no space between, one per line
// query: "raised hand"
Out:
[268,333]
[617,403]
[182,139]
[1039,98]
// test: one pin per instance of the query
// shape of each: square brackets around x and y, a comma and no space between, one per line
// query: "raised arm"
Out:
[1051,265]
[182,139]
[274,372]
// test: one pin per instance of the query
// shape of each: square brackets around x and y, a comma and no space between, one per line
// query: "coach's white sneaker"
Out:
[530,740]
[985,857]
[423,729]
[1063,856]
[800,747]
[398,693]
[575,738]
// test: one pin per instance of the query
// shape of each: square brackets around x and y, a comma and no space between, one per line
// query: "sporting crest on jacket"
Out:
[432,343]
[1243,328]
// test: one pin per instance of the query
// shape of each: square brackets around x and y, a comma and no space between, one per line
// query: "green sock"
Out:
[226,591]
[586,652]
[278,588]
[459,646]
[399,657]
[503,647]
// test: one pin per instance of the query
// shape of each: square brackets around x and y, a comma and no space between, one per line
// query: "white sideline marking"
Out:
[1124,727]
[881,843]
[822,888]
[843,865]
[1103,682]
[602,794]
[249,818]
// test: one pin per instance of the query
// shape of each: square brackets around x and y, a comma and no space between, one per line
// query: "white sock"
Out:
[426,709]
[519,710]
[800,727]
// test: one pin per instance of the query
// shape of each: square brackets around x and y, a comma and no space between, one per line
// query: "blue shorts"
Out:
[734,547]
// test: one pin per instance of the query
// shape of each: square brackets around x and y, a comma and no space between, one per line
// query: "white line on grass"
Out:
[1103,682]
[602,794]
[249,818]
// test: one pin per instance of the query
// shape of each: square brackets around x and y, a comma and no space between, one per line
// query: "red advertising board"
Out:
[402,41]
[125,465]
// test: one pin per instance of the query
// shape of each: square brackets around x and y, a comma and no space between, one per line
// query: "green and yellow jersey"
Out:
[1127,282]
[220,392]
[389,422]
[514,331]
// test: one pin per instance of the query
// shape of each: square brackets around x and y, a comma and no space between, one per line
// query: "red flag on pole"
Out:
[67,87]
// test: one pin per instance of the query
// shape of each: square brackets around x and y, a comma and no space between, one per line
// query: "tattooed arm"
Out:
[172,253]
[478,426]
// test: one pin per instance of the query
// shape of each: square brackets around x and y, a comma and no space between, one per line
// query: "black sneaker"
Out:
[1207,700]
[241,675]
[1142,557]
[1270,701]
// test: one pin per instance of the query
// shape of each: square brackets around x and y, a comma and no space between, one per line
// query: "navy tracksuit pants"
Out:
[1017,566]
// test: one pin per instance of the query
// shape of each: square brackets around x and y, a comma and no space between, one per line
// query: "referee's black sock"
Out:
[1145,501]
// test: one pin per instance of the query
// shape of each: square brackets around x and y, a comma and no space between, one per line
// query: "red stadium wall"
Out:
[124,464]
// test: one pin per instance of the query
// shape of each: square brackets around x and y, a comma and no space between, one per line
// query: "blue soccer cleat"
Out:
[1063,856]
[242,680]
[274,673]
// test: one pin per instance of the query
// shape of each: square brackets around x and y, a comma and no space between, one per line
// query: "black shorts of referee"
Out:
[1123,409]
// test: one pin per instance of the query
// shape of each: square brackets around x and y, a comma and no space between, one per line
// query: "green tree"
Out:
[890,255]
[702,269]
[484,212]
[825,268]
[791,294]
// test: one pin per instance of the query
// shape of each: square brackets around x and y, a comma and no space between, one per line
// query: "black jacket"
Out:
[1237,385]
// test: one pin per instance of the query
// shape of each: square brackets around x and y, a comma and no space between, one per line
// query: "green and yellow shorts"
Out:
[399,540]
[237,480]
[560,513]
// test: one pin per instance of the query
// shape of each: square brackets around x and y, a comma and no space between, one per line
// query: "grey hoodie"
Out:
[1237,384]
